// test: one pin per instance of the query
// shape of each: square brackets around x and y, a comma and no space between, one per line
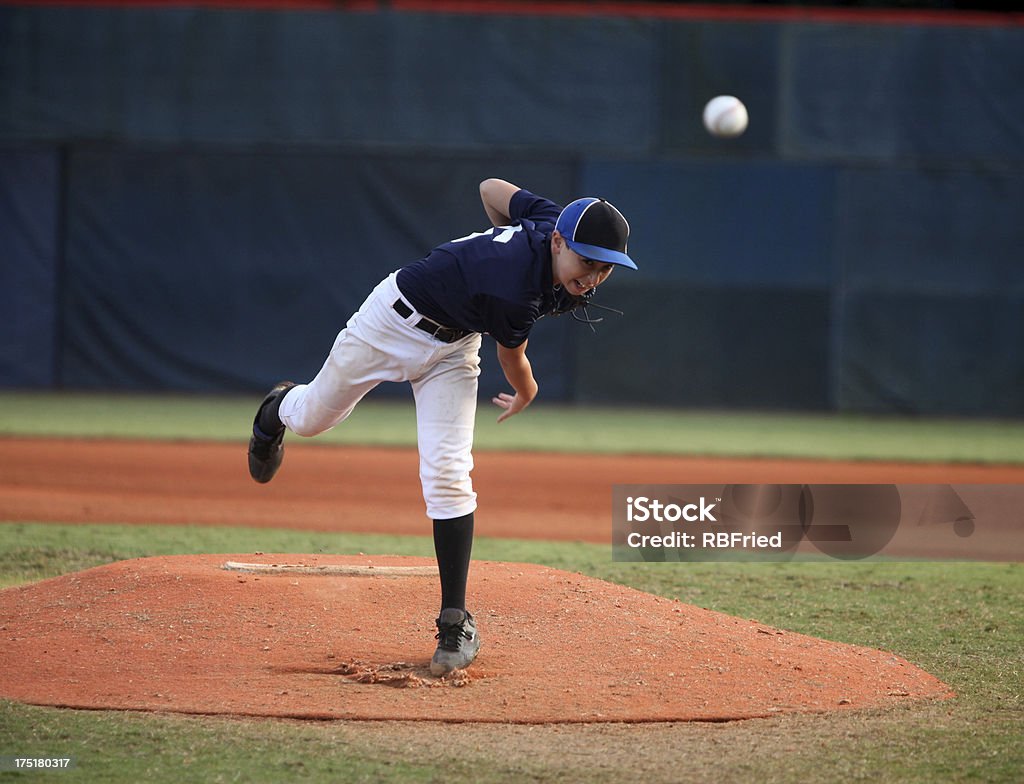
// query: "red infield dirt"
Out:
[185,634]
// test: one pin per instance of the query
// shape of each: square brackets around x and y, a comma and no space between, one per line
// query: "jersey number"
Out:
[507,232]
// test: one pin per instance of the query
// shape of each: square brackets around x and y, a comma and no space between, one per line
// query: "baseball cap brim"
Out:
[596,253]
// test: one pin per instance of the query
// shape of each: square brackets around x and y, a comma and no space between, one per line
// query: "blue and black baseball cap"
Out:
[596,230]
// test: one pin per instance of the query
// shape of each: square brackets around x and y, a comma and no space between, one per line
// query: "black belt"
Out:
[438,331]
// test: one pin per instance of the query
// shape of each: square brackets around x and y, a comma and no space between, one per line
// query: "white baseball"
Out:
[725,115]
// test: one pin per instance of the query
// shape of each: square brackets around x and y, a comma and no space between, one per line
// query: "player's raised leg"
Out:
[373,347]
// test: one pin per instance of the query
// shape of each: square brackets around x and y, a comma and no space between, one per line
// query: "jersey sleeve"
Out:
[524,204]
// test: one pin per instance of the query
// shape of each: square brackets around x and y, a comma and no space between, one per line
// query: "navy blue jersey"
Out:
[497,281]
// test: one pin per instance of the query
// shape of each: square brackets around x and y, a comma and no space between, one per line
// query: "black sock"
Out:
[453,544]
[267,420]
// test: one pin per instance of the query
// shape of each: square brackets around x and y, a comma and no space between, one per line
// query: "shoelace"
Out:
[450,635]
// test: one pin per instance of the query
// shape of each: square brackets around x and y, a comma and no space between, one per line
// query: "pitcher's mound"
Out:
[351,637]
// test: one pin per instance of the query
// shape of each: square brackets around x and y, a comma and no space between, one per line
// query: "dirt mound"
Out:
[184,634]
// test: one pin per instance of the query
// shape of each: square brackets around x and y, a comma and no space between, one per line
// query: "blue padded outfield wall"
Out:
[197,198]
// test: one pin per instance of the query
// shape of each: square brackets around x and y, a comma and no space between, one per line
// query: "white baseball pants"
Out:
[377,345]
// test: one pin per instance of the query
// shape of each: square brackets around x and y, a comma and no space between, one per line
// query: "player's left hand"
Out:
[512,404]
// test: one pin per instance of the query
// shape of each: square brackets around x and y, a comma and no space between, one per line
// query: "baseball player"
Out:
[423,324]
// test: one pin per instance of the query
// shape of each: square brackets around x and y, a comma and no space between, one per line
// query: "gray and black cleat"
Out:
[457,641]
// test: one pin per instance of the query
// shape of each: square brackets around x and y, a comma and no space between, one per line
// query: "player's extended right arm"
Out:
[519,374]
[496,195]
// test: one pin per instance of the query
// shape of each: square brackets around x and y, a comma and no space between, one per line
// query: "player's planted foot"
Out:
[266,447]
[457,641]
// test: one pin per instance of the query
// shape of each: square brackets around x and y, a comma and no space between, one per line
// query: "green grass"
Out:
[124,747]
[962,622]
[542,427]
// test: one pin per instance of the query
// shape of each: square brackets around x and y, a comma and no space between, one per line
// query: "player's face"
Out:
[577,274]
